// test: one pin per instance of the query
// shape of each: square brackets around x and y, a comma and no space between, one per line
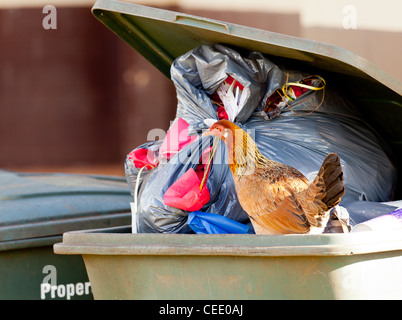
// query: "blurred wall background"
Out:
[78,98]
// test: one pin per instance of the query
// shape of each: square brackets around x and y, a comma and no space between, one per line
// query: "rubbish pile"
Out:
[183,184]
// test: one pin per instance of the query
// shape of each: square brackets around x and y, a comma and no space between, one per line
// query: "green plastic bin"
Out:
[122,265]
[35,210]
[366,265]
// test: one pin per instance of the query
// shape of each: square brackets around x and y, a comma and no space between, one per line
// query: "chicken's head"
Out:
[223,129]
[235,139]
[242,150]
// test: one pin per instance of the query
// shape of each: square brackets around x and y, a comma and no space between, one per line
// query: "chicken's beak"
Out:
[214,132]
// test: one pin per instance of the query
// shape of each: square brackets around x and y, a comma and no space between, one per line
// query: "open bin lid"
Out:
[38,206]
[161,36]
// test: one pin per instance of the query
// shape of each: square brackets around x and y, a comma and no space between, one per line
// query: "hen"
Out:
[278,198]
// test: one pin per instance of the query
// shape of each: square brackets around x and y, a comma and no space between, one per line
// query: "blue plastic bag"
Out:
[210,223]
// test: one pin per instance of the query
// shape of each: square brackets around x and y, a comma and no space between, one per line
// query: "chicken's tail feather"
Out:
[329,181]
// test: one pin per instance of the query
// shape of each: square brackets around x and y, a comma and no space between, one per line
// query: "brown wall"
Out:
[71,96]
[56,89]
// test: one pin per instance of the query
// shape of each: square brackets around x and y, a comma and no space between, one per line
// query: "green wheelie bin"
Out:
[35,210]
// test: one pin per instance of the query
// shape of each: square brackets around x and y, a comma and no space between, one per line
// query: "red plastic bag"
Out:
[190,191]
[185,193]
[176,138]
[143,158]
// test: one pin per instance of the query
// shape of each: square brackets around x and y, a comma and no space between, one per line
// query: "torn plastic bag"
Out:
[154,216]
[198,75]
[210,223]
[150,154]
[186,193]
[300,136]
[190,191]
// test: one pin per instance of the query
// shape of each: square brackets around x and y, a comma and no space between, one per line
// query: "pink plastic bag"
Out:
[176,138]
[185,193]
[190,191]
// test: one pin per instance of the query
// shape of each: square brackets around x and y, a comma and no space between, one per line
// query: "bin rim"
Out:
[120,241]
